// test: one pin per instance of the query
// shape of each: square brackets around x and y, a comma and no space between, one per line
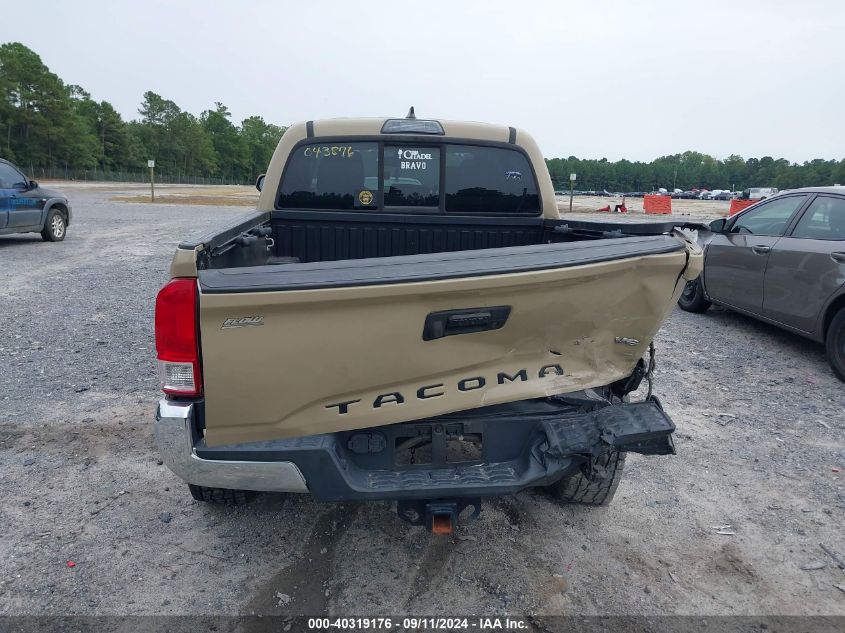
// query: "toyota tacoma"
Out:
[406,316]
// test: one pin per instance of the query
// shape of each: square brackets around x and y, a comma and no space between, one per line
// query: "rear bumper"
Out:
[176,439]
[525,444]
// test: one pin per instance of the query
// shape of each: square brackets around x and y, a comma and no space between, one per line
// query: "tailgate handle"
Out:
[464,321]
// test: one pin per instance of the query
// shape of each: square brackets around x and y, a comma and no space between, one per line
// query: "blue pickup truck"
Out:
[25,207]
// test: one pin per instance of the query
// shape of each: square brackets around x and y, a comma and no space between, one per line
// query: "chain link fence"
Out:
[99,175]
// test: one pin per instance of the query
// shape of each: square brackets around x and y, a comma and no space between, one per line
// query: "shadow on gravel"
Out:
[731,321]
[13,240]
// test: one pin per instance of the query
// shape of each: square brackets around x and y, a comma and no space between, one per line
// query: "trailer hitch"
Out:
[439,516]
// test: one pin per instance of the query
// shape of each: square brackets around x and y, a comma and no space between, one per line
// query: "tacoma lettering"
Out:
[423,394]
[394,396]
[342,407]
[520,375]
[473,383]
[545,370]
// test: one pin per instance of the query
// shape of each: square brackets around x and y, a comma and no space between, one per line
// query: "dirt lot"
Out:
[221,195]
[686,210]
[760,449]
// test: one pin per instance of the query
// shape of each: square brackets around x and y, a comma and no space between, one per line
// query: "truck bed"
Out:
[299,237]
[430,267]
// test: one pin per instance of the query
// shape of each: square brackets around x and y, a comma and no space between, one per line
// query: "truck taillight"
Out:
[177,346]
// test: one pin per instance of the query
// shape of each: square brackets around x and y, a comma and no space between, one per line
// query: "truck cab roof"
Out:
[426,131]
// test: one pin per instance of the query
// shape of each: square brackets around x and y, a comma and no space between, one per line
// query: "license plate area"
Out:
[467,438]
[437,444]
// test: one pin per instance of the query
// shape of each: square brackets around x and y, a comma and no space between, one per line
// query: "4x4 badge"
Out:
[250,321]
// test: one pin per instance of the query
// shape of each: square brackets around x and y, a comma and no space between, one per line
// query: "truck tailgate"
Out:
[301,349]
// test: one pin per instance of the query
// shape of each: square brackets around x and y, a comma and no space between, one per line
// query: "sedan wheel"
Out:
[692,299]
[835,345]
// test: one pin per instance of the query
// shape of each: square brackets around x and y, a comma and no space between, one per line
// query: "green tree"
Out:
[193,148]
[228,144]
[41,123]
[260,139]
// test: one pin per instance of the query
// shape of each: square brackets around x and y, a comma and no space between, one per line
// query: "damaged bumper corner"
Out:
[641,427]
[695,256]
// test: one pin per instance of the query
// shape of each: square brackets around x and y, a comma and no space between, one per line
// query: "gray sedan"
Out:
[781,261]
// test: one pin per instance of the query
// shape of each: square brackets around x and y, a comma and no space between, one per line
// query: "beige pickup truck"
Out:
[406,316]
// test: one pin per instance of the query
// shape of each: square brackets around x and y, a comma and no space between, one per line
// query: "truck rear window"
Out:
[371,176]
[331,176]
[411,176]
[489,180]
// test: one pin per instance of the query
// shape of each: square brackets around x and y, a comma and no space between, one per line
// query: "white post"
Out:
[151,164]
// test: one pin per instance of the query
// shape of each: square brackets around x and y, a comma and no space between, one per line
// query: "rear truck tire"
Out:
[835,345]
[607,472]
[223,496]
[55,227]
[692,299]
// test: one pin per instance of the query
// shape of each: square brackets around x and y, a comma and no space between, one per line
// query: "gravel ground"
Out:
[760,439]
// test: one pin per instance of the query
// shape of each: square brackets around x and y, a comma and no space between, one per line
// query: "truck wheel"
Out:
[692,299]
[578,489]
[221,495]
[835,345]
[55,227]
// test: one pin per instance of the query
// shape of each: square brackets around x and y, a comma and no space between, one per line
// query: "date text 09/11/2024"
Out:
[420,623]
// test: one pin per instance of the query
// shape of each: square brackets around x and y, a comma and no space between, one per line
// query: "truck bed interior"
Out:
[320,237]
[271,249]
